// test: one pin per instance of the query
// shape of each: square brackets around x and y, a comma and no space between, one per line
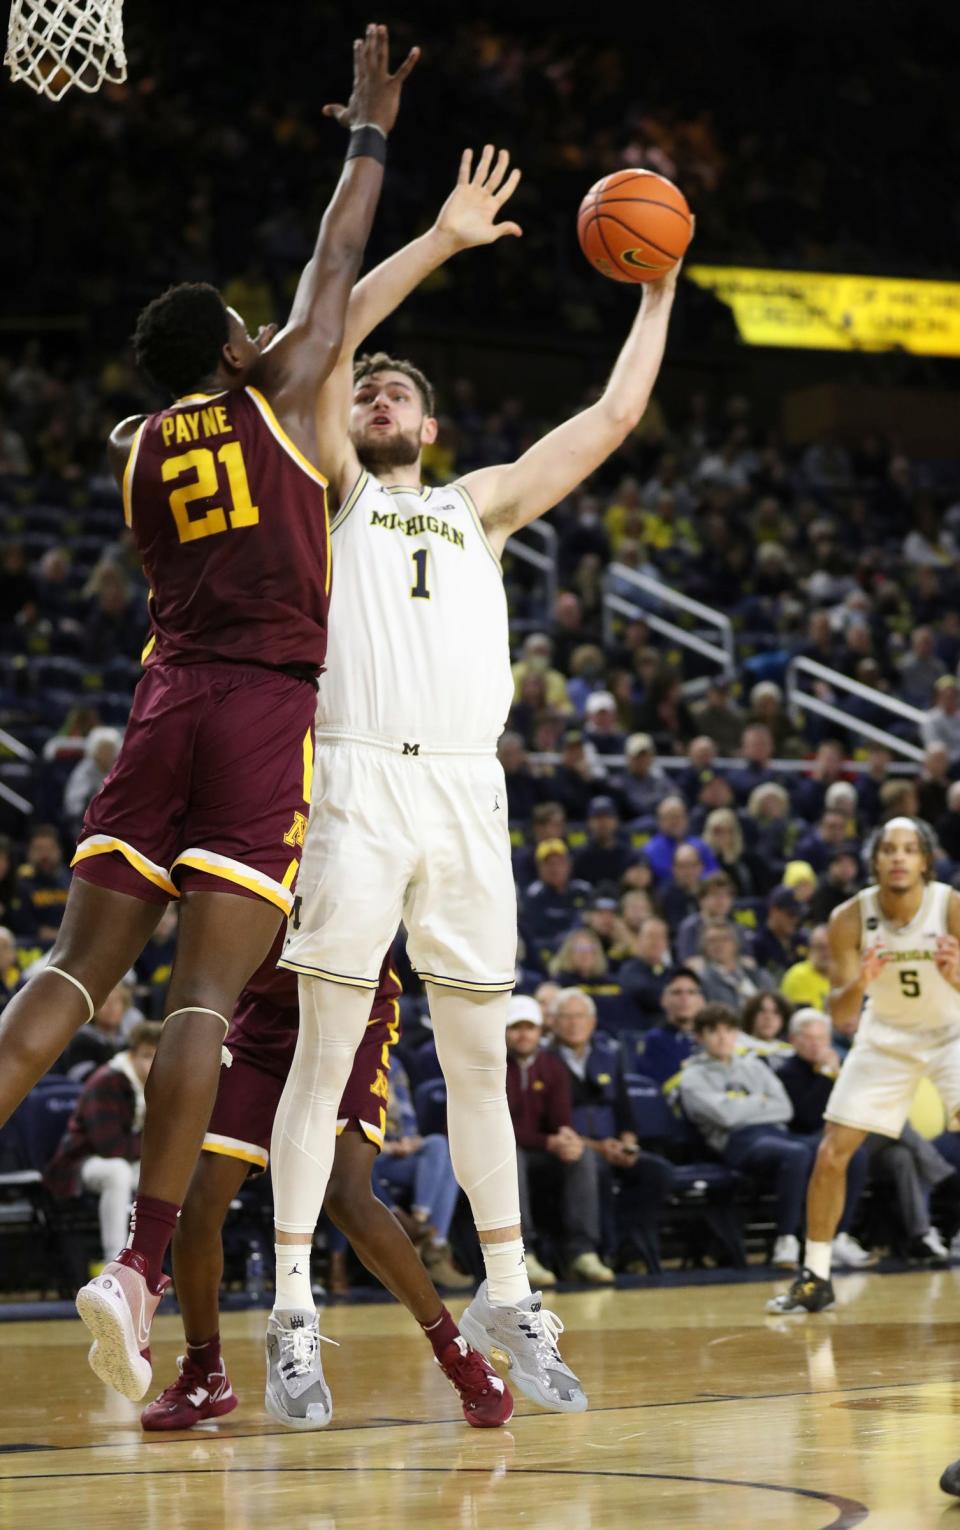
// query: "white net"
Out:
[53,44]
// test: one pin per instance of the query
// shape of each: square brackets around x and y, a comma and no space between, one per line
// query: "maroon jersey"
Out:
[231,523]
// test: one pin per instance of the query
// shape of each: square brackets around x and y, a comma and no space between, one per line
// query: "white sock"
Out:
[293,1278]
[507,1281]
[816,1257]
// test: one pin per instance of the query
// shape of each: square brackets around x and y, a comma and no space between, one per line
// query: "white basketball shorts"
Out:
[879,1078]
[400,832]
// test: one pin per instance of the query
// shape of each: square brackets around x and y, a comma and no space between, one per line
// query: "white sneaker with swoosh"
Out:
[117,1307]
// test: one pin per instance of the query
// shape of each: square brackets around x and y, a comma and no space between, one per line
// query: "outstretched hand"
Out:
[667,284]
[468,215]
[376,92]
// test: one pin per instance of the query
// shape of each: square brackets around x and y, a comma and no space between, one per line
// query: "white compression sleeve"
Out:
[332,1020]
[471,1036]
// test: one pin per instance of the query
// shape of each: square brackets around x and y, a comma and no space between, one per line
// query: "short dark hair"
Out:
[380,361]
[716,881]
[683,972]
[179,337]
[146,1033]
[712,1016]
[43,831]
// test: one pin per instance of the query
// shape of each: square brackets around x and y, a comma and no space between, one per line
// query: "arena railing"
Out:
[790,767]
[545,561]
[802,700]
[651,596]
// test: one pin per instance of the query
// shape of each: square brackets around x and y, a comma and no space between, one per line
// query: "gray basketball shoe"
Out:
[526,1338]
[296,1393]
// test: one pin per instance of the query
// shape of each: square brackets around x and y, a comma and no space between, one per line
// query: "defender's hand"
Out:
[872,962]
[376,92]
[947,958]
[467,217]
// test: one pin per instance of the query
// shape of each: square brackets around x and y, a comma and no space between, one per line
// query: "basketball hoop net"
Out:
[53,44]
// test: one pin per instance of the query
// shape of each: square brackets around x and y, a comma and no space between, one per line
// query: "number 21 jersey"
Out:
[910,993]
[230,520]
[419,639]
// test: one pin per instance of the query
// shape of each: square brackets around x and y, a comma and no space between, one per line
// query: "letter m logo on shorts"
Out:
[411,748]
[297,831]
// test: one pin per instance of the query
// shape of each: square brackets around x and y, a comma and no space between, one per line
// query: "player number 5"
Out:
[910,983]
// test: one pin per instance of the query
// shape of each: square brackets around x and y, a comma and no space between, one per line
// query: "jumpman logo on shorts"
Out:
[496,802]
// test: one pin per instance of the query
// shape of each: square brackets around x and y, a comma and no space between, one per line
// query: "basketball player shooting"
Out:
[410,803]
[895,967]
[225,494]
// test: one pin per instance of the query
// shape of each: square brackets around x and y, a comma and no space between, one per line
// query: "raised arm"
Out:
[298,360]
[510,496]
[467,219]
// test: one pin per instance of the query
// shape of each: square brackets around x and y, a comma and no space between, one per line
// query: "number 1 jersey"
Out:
[419,639]
[910,993]
[230,520]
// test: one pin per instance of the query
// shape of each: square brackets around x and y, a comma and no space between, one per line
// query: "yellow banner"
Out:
[836,312]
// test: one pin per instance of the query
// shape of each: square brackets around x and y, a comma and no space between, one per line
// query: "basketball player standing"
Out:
[208,800]
[895,966]
[410,816]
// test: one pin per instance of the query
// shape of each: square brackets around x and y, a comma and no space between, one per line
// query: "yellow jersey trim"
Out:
[149,647]
[468,501]
[421,491]
[253,881]
[105,844]
[308,765]
[230,1147]
[350,500]
[266,409]
[290,875]
[127,486]
[197,398]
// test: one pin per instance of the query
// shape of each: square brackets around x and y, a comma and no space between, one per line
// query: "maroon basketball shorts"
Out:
[211,788]
[261,1042]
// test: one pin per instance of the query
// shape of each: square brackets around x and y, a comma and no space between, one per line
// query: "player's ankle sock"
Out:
[441,1332]
[207,1355]
[816,1257]
[507,1281]
[152,1225]
[293,1277]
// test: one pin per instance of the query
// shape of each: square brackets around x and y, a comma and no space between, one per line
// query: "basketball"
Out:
[634,226]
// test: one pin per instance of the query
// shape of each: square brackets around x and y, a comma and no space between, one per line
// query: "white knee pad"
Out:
[332,1021]
[470,1032]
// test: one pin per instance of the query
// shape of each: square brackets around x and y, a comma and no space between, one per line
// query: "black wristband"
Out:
[368,141]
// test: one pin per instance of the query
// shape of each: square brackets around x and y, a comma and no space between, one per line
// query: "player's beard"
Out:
[380,455]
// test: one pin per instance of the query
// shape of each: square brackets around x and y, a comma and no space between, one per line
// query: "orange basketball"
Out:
[634,225]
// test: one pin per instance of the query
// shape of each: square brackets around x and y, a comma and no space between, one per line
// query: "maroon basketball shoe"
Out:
[118,1308]
[487,1401]
[195,1396]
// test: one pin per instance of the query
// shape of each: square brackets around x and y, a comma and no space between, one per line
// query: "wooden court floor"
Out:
[704,1412]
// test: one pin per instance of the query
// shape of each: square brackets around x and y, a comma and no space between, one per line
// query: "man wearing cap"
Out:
[666,1047]
[602,723]
[605,856]
[577,778]
[780,942]
[644,784]
[548,1149]
[941,725]
[719,716]
[602,916]
[673,830]
[553,903]
[808,982]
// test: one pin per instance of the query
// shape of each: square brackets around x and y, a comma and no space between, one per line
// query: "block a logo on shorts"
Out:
[297,831]
[411,748]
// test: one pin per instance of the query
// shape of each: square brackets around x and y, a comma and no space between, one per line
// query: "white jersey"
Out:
[910,993]
[418,649]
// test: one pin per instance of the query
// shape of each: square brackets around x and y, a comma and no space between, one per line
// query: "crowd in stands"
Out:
[681,835]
